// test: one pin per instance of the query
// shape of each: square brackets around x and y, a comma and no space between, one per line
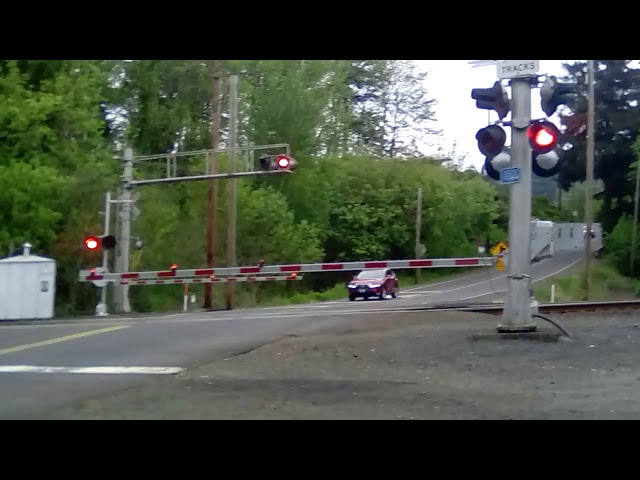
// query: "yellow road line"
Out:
[62,339]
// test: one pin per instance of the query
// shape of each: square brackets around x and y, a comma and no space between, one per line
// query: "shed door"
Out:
[45,291]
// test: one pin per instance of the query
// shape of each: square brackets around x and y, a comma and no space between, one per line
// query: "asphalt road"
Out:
[44,366]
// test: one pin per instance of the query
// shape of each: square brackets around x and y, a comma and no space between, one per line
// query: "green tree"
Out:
[618,245]
[407,110]
[54,161]
[617,91]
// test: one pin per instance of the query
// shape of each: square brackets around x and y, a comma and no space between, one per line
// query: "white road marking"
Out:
[419,293]
[323,305]
[92,370]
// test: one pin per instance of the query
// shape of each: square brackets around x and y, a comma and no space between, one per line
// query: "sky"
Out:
[450,82]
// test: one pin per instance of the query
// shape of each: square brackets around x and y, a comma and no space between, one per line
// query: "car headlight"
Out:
[374,285]
[351,286]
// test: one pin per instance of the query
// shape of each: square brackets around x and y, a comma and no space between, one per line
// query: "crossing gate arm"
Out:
[91,275]
[184,281]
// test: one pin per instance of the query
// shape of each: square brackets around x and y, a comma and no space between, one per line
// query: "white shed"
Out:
[27,286]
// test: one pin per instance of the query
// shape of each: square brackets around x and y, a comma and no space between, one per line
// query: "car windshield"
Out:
[367,274]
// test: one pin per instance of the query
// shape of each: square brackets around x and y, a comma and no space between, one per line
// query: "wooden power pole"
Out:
[212,193]
[233,196]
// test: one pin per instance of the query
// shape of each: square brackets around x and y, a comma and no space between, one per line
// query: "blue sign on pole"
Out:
[510,175]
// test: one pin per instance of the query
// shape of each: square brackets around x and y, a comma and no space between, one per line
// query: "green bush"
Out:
[618,245]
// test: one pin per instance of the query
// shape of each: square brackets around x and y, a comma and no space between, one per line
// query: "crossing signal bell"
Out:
[494,98]
[277,162]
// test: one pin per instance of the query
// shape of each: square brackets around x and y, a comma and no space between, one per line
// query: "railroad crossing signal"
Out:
[278,162]
[494,98]
[554,94]
[543,136]
[491,143]
[491,140]
[107,242]
[92,243]
[545,154]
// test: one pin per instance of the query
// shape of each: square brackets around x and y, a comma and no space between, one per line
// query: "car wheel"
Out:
[352,297]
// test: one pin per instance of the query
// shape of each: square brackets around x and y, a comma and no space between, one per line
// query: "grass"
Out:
[606,284]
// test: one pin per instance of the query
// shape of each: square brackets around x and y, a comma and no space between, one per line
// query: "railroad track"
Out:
[497,309]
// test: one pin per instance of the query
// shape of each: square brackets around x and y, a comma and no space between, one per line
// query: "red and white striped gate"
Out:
[181,281]
[203,273]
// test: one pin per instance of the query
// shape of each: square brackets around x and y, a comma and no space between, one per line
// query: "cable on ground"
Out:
[537,315]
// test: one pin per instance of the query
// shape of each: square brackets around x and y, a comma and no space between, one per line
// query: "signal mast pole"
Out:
[517,311]
[533,145]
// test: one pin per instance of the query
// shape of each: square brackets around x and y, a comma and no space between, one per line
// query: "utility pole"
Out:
[418,251]
[588,210]
[233,196]
[517,311]
[122,261]
[212,192]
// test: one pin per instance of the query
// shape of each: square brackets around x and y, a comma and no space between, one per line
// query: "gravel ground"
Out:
[404,366]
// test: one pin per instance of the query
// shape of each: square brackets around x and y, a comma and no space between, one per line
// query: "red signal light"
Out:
[283,161]
[543,136]
[92,243]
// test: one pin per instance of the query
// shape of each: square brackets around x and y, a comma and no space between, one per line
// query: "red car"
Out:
[373,283]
